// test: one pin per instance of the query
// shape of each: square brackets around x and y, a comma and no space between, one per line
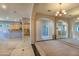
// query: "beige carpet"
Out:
[56,48]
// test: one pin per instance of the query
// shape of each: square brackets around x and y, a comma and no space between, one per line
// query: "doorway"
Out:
[10,36]
[61,30]
[44,29]
[75,30]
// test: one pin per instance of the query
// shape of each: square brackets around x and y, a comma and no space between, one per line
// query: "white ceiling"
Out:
[16,10]
[19,10]
[71,8]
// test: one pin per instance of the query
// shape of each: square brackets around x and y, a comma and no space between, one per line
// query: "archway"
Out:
[75,30]
[61,29]
[44,29]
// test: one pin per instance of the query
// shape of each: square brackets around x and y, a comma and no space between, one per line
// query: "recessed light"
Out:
[4,6]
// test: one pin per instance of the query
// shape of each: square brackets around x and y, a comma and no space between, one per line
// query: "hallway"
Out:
[14,27]
[56,48]
[15,47]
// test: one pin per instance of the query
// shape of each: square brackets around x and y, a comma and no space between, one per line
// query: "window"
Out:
[45,30]
[77,27]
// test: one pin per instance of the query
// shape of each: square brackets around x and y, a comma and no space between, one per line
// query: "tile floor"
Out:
[16,48]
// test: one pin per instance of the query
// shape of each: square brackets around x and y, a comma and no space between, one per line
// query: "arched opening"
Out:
[75,30]
[61,29]
[44,29]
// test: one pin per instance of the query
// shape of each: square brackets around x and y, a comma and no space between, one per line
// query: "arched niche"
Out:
[44,29]
[61,29]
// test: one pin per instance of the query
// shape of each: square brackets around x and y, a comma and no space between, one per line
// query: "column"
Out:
[55,28]
[33,29]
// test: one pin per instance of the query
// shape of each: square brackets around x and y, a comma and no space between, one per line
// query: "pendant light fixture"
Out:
[60,12]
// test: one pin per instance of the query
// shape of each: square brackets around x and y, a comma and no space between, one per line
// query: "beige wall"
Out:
[37,16]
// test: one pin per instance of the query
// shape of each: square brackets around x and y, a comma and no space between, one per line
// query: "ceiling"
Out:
[72,9]
[19,10]
[15,10]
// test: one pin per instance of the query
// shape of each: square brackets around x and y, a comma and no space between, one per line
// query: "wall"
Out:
[37,16]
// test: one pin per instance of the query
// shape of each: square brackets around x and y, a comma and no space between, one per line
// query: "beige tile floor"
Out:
[56,48]
[15,47]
